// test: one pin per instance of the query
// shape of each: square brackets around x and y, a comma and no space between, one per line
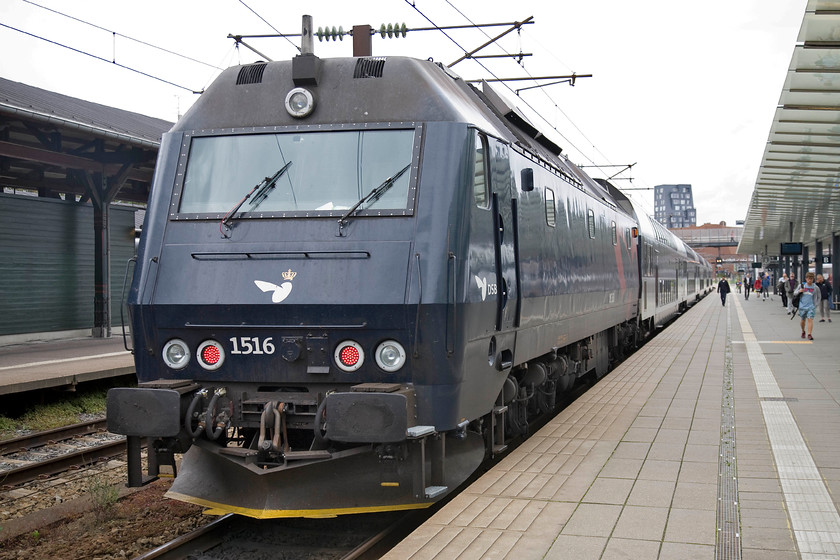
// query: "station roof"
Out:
[799,179]
[49,141]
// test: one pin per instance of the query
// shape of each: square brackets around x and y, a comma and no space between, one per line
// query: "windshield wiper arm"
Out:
[372,196]
[266,189]
[262,189]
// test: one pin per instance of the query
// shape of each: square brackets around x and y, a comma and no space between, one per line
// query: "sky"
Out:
[686,91]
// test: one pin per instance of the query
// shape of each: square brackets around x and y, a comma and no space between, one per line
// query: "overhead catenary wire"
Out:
[253,11]
[553,102]
[117,34]
[79,51]
[434,26]
[645,186]
[500,80]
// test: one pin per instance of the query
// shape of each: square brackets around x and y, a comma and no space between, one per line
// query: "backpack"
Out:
[796,297]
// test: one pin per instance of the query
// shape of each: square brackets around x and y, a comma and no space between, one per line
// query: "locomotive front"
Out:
[278,310]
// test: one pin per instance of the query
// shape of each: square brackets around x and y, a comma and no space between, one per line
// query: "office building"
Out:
[674,206]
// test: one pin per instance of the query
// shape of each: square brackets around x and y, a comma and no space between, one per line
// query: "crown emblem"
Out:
[289,275]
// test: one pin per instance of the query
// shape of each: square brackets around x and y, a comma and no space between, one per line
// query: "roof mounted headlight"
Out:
[299,103]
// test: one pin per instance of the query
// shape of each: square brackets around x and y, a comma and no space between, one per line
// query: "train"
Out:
[360,278]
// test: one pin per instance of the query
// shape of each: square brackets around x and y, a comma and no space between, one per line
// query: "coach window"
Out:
[480,188]
[614,233]
[591,223]
[550,208]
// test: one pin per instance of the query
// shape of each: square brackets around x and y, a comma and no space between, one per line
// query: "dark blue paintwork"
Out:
[486,280]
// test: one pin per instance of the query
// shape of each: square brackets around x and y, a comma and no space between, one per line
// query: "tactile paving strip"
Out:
[728,545]
[815,521]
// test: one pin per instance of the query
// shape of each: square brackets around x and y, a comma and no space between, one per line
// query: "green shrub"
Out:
[104,497]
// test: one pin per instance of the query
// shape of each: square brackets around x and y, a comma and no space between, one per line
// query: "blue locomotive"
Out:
[360,277]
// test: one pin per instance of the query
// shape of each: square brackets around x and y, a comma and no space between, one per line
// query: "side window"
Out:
[481,191]
[591,223]
[614,233]
[550,208]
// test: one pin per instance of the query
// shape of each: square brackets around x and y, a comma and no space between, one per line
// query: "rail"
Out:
[47,453]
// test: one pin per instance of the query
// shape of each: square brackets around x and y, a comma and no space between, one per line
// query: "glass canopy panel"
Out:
[820,29]
[818,160]
[809,128]
[800,98]
[807,116]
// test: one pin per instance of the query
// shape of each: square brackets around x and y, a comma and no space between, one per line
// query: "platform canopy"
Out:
[797,192]
[57,145]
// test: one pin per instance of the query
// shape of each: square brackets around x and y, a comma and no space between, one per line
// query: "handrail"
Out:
[122,303]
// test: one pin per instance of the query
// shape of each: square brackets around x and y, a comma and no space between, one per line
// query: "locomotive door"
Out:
[504,210]
[493,260]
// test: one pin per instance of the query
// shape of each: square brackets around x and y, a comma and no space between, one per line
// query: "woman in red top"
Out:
[757,285]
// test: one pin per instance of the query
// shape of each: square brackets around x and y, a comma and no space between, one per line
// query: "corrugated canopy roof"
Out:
[799,178]
[62,110]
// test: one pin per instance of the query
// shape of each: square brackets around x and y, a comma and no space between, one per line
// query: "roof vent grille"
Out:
[369,68]
[251,74]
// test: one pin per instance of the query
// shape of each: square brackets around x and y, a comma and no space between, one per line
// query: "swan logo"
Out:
[487,289]
[482,285]
[281,292]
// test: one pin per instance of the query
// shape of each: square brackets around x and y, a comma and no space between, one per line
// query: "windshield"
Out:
[332,171]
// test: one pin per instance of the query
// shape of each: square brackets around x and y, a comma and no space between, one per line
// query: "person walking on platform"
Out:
[791,286]
[765,287]
[825,298]
[757,286]
[782,288]
[747,287]
[723,289]
[808,302]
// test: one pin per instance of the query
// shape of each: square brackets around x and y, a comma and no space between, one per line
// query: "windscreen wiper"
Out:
[371,197]
[263,189]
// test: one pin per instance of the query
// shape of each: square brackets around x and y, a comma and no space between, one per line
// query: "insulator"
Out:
[327,33]
[393,30]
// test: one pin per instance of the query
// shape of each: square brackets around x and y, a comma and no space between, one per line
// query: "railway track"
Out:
[29,457]
[234,537]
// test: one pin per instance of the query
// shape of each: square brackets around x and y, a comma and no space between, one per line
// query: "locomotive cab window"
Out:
[550,208]
[305,172]
[481,190]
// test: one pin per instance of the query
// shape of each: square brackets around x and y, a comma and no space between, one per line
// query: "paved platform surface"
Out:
[719,439]
[60,363]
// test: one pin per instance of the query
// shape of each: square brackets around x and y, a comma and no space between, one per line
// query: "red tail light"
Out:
[210,355]
[349,355]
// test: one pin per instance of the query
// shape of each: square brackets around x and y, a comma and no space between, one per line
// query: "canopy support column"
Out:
[102,192]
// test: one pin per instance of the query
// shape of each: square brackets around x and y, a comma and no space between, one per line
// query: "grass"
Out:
[54,409]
